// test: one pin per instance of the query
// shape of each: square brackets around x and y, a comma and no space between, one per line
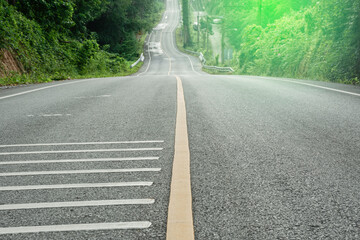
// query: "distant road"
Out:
[270,158]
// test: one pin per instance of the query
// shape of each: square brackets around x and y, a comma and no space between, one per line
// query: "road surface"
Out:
[92,159]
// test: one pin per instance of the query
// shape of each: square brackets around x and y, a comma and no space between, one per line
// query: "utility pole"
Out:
[187,38]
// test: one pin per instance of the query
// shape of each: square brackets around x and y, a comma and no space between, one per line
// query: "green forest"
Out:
[60,39]
[313,39]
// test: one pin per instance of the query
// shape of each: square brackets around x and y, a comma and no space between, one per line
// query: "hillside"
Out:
[53,40]
[290,38]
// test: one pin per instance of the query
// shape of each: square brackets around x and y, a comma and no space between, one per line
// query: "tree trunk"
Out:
[187,38]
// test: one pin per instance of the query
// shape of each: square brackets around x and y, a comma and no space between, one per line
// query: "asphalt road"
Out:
[270,158]
[273,159]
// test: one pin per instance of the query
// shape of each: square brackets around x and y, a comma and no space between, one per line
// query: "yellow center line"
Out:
[180,220]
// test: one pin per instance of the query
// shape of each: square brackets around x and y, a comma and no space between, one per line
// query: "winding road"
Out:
[270,158]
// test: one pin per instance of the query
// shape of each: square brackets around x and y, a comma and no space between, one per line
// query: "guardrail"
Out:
[203,61]
[195,53]
[220,69]
[141,58]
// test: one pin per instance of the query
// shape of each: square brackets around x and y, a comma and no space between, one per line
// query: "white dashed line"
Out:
[86,97]
[51,115]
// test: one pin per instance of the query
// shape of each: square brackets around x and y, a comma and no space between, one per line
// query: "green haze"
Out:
[293,38]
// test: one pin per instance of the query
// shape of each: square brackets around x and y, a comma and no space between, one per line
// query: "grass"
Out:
[14,79]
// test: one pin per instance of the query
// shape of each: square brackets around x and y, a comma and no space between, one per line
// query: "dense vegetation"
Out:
[73,38]
[186,23]
[318,39]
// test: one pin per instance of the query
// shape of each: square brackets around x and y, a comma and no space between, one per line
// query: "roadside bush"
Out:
[302,44]
[289,38]
[52,39]
[85,54]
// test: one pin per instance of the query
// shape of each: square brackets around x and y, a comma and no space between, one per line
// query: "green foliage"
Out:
[86,53]
[186,23]
[22,36]
[308,39]
[56,39]
[122,21]
[86,11]
[50,14]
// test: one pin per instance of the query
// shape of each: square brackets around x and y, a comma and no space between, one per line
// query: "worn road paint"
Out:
[180,220]
[38,89]
[87,97]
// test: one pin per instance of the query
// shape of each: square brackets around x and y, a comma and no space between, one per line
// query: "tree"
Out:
[86,11]
[121,21]
[51,15]
[186,24]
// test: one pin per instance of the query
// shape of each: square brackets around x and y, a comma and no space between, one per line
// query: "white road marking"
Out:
[161,34]
[83,151]
[86,97]
[38,89]
[77,185]
[169,58]
[147,68]
[76,227]
[51,115]
[128,170]
[79,143]
[79,160]
[313,85]
[76,204]
[181,53]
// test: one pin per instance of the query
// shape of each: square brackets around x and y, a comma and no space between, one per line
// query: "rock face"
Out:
[8,64]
